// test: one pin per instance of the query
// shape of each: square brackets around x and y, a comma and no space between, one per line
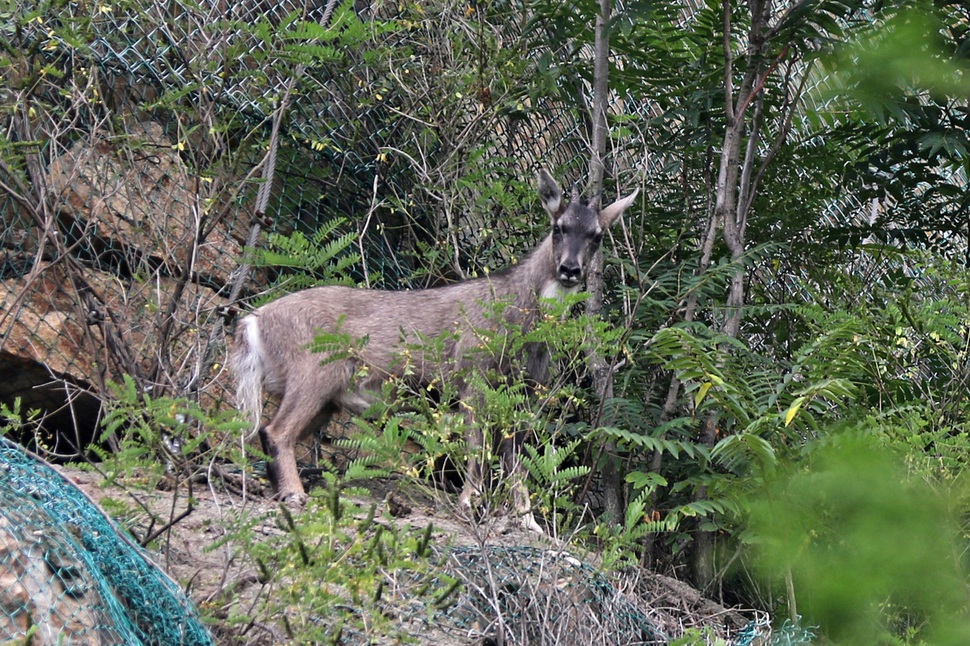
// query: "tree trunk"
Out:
[730,212]
[600,367]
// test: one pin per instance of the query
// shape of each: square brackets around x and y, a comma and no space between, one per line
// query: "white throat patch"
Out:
[554,289]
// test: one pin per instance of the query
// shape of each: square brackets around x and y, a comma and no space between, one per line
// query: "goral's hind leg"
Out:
[474,441]
[279,440]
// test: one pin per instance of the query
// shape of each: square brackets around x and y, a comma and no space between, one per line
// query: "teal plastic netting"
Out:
[760,633]
[68,574]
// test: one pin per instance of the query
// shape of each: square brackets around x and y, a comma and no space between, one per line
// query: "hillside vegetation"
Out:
[762,393]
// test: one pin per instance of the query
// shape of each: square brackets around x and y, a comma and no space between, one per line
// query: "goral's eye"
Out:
[556,230]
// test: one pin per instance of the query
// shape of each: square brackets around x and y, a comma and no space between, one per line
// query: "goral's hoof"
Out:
[529,523]
[294,500]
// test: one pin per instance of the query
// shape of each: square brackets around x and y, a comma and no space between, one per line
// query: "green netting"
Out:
[68,575]
[760,633]
[543,596]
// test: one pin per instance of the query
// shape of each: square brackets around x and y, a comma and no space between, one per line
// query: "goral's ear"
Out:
[612,213]
[550,194]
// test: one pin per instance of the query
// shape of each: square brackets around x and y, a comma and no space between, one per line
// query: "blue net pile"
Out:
[760,633]
[68,575]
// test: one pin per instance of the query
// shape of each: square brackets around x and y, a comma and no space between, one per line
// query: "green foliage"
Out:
[319,253]
[621,544]
[295,41]
[338,572]
[325,257]
[906,53]
[902,80]
[870,547]
[893,430]
[697,637]
[16,422]
[768,413]
[145,438]
[555,481]
[382,447]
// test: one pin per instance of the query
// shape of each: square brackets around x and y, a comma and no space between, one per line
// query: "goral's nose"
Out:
[570,273]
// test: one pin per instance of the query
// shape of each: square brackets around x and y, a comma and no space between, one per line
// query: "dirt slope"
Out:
[225,583]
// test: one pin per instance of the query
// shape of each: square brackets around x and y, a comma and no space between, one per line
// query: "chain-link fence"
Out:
[157,142]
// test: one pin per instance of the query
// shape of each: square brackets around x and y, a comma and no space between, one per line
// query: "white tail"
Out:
[247,365]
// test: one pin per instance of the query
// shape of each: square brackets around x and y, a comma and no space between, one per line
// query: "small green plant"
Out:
[325,257]
[557,476]
[698,637]
[14,422]
[26,427]
[381,446]
[338,572]
[145,438]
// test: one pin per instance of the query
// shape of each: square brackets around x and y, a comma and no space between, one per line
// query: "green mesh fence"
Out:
[536,596]
[69,576]
[542,597]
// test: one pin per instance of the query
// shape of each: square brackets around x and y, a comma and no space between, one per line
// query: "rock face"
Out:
[138,206]
[128,278]
[51,321]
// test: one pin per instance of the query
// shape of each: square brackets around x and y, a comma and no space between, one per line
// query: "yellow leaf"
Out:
[701,393]
[793,410]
